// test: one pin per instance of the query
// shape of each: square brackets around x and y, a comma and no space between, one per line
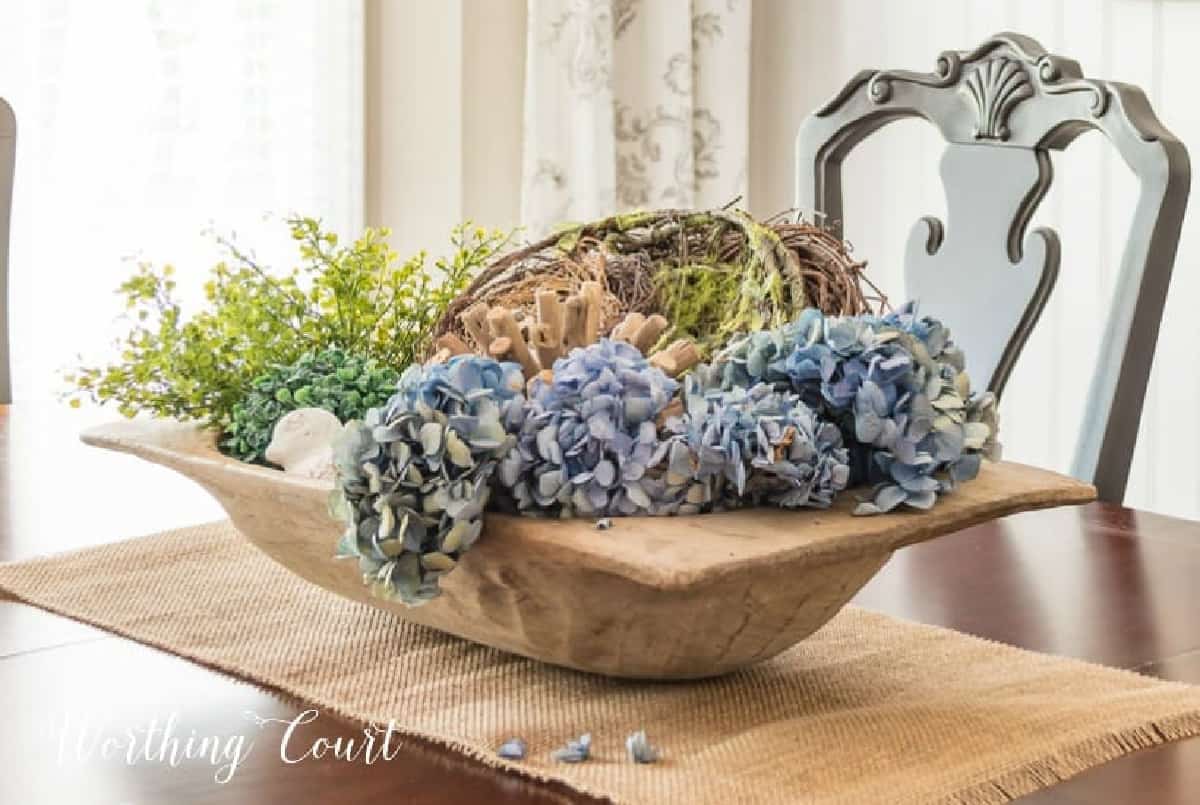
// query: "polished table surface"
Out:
[1099,582]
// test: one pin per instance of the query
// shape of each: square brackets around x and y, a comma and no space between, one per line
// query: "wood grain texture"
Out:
[662,598]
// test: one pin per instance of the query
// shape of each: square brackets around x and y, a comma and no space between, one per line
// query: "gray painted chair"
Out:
[1001,108]
[8,158]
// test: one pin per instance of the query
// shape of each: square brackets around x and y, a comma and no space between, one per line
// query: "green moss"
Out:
[696,298]
[709,301]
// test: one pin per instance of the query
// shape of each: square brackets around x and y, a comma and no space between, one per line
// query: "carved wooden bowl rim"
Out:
[664,552]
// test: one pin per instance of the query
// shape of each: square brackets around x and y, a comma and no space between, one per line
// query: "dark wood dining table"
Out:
[1100,582]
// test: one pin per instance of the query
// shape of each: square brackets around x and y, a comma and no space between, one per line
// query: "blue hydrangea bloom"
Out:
[896,387]
[587,437]
[413,477]
[751,446]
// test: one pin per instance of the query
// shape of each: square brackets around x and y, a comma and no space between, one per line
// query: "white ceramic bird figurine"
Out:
[302,443]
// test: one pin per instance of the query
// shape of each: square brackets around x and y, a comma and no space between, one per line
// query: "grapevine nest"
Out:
[711,273]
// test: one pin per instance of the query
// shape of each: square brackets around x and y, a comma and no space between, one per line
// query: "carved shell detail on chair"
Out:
[1040,73]
[995,87]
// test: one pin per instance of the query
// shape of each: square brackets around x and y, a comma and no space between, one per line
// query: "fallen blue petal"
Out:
[575,751]
[512,749]
[639,748]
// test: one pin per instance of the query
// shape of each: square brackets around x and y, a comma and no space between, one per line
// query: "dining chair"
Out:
[8,159]
[1002,108]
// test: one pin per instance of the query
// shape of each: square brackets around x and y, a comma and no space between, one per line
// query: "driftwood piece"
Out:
[575,323]
[452,343]
[628,327]
[441,356]
[665,362]
[647,334]
[548,335]
[593,295]
[677,358]
[501,348]
[550,312]
[547,347]
[474,321]
[502,324]
[537,338]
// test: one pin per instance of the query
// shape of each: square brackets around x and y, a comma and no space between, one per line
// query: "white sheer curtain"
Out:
[632,104]
[143,122]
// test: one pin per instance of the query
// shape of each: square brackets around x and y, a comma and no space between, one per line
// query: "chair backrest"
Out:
[1001,108]
[8,159]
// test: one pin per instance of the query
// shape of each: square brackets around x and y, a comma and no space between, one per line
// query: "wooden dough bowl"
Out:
[651,597]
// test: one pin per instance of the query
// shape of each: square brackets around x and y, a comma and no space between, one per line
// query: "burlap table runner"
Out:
[870,709]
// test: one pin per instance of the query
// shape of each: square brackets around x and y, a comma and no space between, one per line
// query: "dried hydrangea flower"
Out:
[575,751]
[750,447]
[639,748]
[413,476]
[588,435]
[512,749]
[895,385]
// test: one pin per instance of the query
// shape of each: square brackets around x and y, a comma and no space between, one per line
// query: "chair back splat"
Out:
[1002,108]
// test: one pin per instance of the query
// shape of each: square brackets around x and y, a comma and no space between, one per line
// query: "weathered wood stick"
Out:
[547,348]
[501,348]
[550,330]
[685,353]
[663,360]
[593,296]
[648,332]
[502,324]
[574,323]
[550,310]
[441,356]
[628,326]
[452,343]
[676,359]
[474,320]
[525,325]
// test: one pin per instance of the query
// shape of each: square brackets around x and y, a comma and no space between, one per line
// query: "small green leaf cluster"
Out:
[345,385]
[357,298]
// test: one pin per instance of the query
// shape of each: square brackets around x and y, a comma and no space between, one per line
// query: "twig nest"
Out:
[711,273]
[302,443]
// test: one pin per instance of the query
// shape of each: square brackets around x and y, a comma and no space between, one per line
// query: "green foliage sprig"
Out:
[358,298]
[345,385]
